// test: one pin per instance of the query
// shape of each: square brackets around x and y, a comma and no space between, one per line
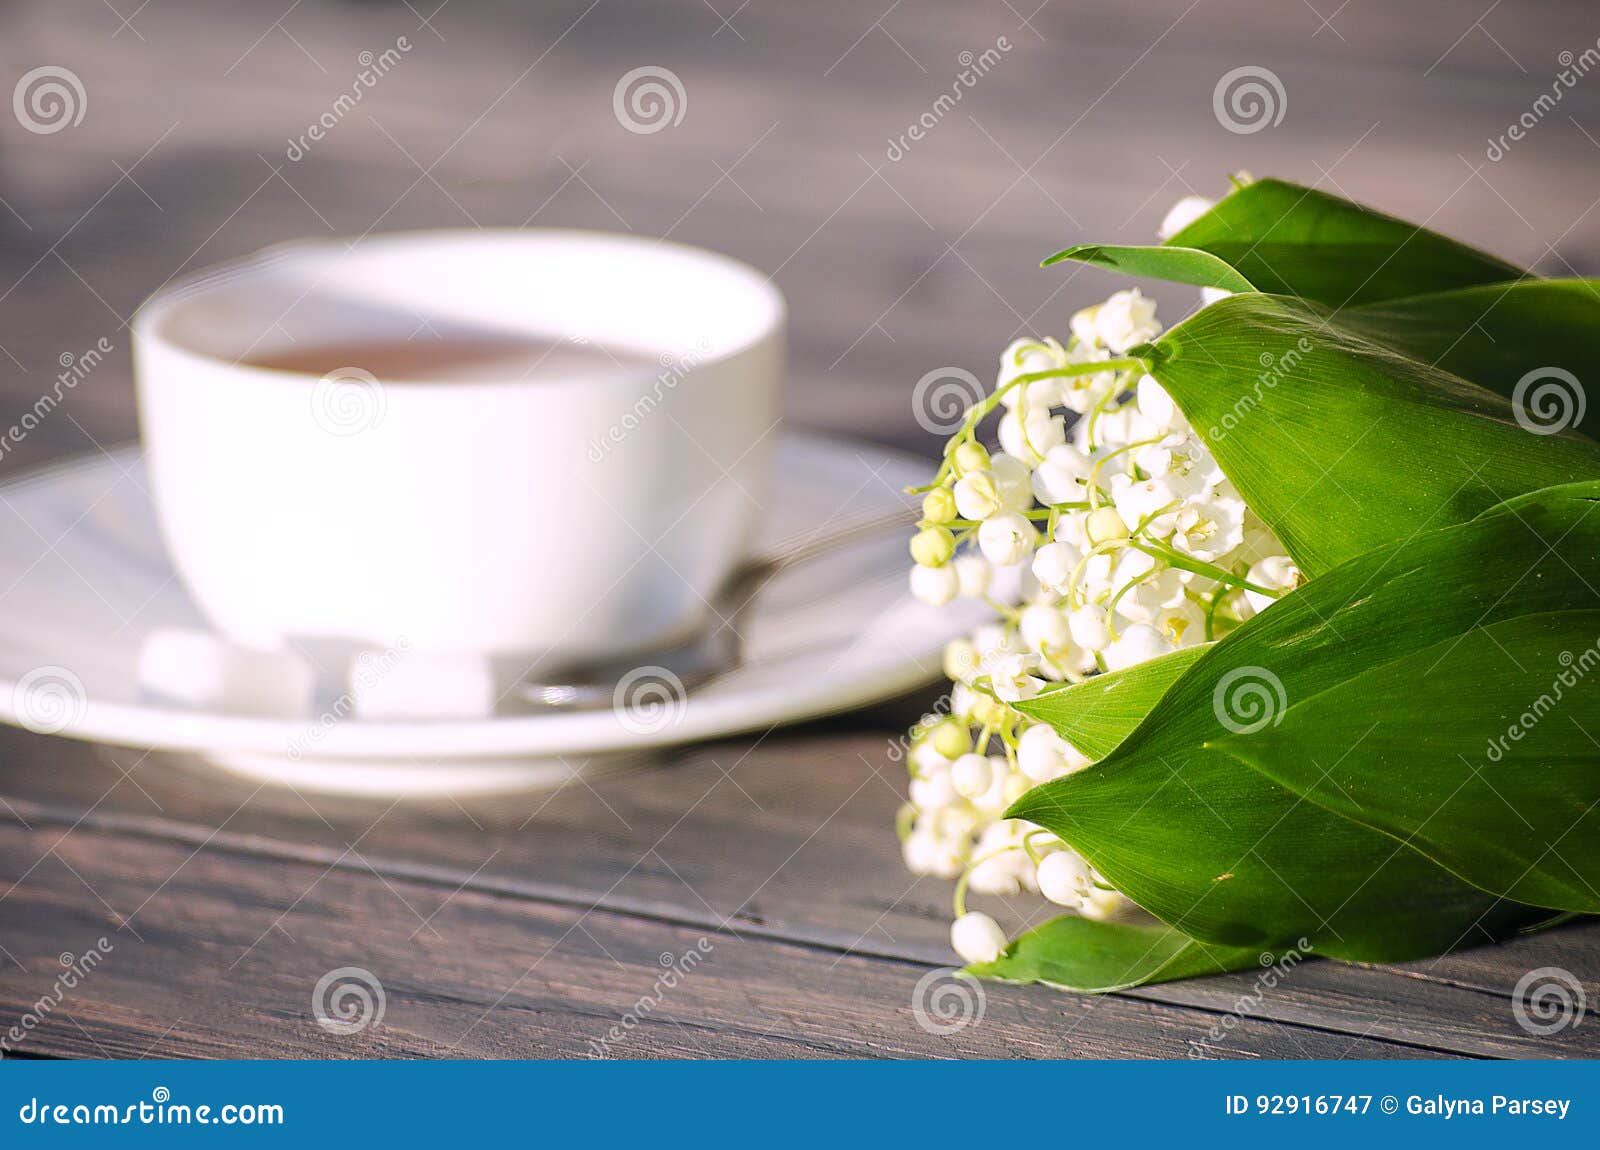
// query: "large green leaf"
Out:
[1098,713]
[1507,794]
[1544,332]
[1280,237]
[1078,954]
[1196,835]
[1341,444]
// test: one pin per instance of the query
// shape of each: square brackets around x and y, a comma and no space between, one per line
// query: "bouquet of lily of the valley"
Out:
[1306,653]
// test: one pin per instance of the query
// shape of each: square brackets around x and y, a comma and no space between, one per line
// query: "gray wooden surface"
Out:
[532,926]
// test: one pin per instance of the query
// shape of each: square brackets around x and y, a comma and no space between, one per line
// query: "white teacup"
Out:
[550,517]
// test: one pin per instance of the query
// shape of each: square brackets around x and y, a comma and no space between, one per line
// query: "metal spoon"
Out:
[681,669]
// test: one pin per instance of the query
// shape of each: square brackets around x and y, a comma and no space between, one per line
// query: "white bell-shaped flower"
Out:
[1064,878]
[1013,482]
[1126,319]
[1183,213]
[1044,628]
[934,586]
[977,938]
[1088,626]
[971,775]
[1029,357]
[977,496]
[1135,644]
[1029,439]
[973,573]
[1053,565]
[1277,572]
[1010,679]
[1209,527]
[932,790]
[1155,404]
[1006,538]
[1147,501]
[929,854]
[1042,754]
[1061,475]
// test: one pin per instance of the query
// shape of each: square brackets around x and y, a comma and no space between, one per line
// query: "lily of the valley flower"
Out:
[1110,520]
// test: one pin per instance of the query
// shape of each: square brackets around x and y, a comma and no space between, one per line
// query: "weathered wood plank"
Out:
[220,955]
[791,841]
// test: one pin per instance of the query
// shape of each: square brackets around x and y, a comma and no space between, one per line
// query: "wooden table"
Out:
[542,925]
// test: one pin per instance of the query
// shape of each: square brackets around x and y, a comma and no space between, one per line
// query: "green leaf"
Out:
[1340,444]
[1098,713]
[1507,794]
[1181,265]
[1214,847]
[1088,957]
[1279,237]
[1498,335]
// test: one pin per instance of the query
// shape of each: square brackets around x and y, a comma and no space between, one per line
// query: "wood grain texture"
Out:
[1095,118]
[786,845]
[232,951]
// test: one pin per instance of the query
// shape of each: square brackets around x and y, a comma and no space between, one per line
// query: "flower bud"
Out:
[1104,525]
[934,586]
[971,456]
[987,712]
[973,572]
[1041,753]
[1183,213]
[1053,565]
[1064,878]
[1135,645]
[938,506]
[1015,787]
[971,775]
[977,938]
[1044,628]
[1102,904]
[1088,626]
[950,739]
[976,496]
[960,659]
[933,546]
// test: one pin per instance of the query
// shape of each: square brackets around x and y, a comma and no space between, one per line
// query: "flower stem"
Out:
[1178,559]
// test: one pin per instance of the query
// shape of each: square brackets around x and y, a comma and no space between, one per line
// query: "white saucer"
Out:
[84,578]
